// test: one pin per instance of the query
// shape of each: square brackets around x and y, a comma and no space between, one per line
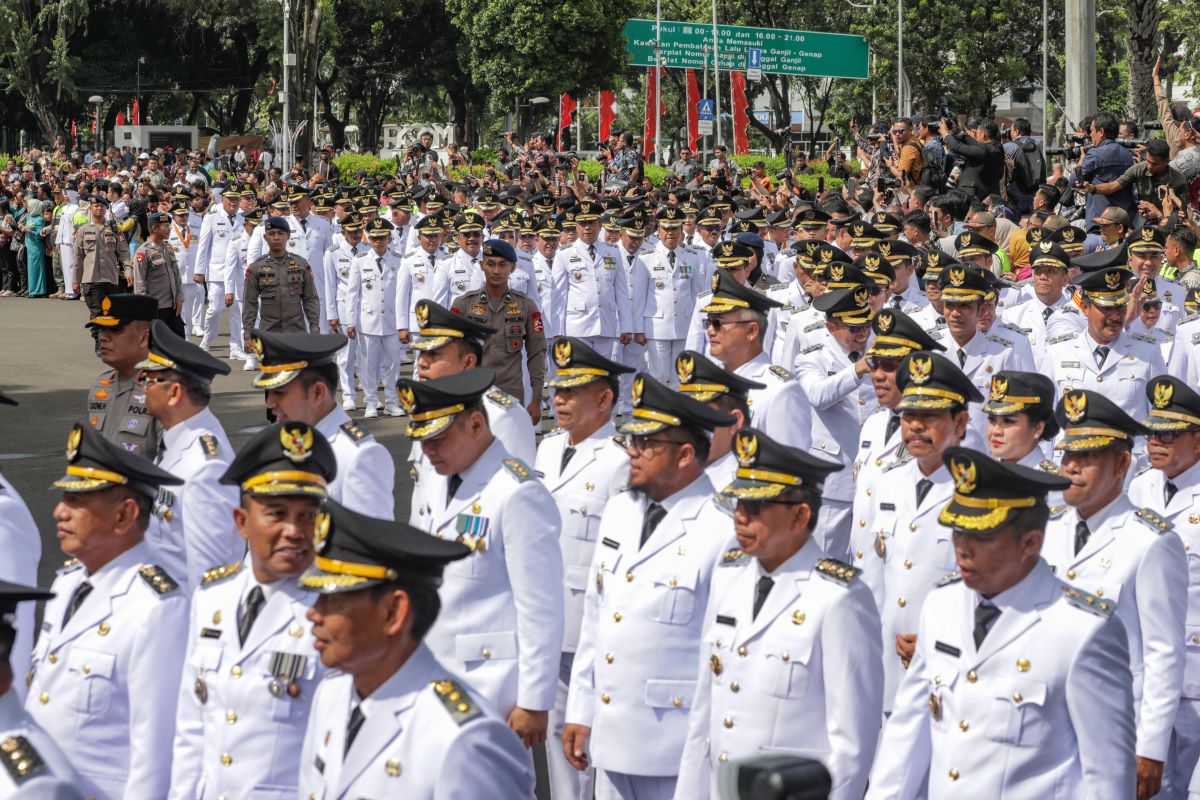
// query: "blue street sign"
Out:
[706,107]
[754,58]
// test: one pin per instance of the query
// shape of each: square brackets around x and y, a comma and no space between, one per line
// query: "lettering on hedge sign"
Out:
[783,52]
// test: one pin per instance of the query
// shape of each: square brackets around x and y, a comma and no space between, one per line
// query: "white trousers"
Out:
[347,364]
[66,257]
[619,786]
[193,306]
[833,528]
[381,357]
[566,782]
[660,360]
[216,311]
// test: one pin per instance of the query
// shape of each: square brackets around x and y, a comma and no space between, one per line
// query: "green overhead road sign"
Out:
[784,52]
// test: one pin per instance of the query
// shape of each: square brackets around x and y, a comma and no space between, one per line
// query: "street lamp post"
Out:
[138,97]
[96,100]
[286,136]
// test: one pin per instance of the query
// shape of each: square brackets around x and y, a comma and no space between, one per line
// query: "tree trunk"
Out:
[1143,24]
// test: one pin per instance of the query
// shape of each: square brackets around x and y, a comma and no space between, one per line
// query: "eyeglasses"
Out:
[717,324]
[711,228]
[753,508]
[899,131]
[859,328]
[529,236]
[640,444]
[883,364]
[1165,437]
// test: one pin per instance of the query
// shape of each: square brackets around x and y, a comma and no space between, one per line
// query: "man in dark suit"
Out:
[981,154]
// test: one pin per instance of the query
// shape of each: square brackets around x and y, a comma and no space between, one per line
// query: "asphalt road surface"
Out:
[48,365]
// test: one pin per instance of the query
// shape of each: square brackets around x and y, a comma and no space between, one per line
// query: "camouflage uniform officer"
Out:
[280,289]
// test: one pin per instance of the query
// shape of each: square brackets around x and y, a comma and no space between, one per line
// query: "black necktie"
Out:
[962,357]
[985,615]
[357,718]
[654,515]
[231,220]
[592,252]
[632,256]
[760,595]
[671,258]
[379,263]
[923,487]
[1046,312]
[893,424]
[941,320]
[452,487]
[568,454]
[304,224]
[1081,535]
[249,612]
[431,261]
[77,598]
[897,300]
[1101,353]
[854,355]
[1169,490]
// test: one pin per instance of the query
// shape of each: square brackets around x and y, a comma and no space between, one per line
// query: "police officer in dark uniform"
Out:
[280,289]
[518,323]
[155,272]
[117,401]
[100,257]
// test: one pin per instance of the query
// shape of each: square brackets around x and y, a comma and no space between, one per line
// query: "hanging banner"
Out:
[693,111]
[566,107]
[737,101]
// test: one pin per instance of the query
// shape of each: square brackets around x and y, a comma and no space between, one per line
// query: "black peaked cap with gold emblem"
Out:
[170,351]
[1015,392]
[731,255]
[1090,421]
[767,469]
[118,309]
[1048,254]
[897,335]
[973,243]
[1107,288]
[849,306]
[874,265]
[1099,261]
[897,251]
[864,235]
[281,356]
[1174,406]
[963,283]
[729,295]
[438,326]
[356,552]
[656,407]
[989,492]
[704,379]
[885,222]
[95,464]
[579,364]
[846,276]
[287,458]
[932,382]
[1147,239]
[432,405]
[936,262]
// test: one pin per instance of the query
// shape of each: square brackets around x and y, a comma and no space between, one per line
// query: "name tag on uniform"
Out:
[607,542]
[319,763]
[724,620]
[864,443]
[887,506]
[210,633]
[948,649]
[1070,365]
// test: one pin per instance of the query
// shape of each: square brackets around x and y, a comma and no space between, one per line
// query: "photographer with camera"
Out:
[1028,166]
[1150,179]
[625,165]
[1104,162]
[981,154]
[907,160]
[874,150]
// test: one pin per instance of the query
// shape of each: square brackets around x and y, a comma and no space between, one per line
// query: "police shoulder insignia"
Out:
[953,577]
[705,293]
[837,571]
[1062,337]
[70,564]
[1057,511]
[620,442]
[1089,602]
[812,348]
[353,431]
[1016,328]
[1046,465]
[518,469]
[780,372]
[1000,340]
[1153,521]
[501,398]
[812,326]
[1144,337]
[222,572]
[732,557]
[208,443]
[456,700]
[20,759]
[157,578]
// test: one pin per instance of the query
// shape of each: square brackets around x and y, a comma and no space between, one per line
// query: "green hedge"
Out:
[351,163]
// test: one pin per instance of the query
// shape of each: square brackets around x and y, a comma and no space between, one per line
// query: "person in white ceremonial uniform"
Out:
[726,392]
[34,766]
[311,237]
[418,274]
[217,230]
[338,258]
[190,530]
[738,261]
[587,296]
[390,719]
[1019,686]
[548,233]
[1051,311]
[250,673]
[1170,486]
[833,377]
[737,323]
[790,662]
[904,294]
[300,376]
[628,235]
[497,628]
[1129,556]
[583,467]
[235,267]
[634,679]
[460,272]
[20,540]
[880,443]
[400,210]
[807,328]
[180,240]
[1144,252]
[667,281]
[911,551]
[371,302]
[107,661]
[1105,358]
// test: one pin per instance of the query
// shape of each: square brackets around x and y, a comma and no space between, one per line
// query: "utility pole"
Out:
[1080,59]
[286,137]
[716,81]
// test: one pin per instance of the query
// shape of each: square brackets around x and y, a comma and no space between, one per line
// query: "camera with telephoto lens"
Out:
[567,156]
[1130,142]
[1068,152]
[1151,125]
